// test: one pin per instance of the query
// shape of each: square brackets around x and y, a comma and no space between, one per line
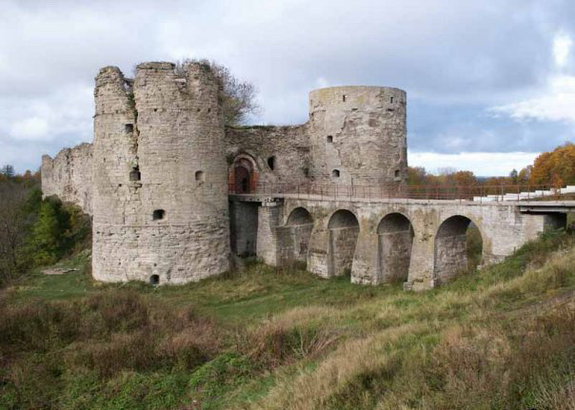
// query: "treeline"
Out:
[34,232]
[553,169]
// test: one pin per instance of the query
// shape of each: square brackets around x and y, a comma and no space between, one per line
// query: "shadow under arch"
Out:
[343,230]
[299,225]
[458,248]
[395,238]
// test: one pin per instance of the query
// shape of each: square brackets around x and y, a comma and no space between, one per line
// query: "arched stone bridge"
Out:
[419,242]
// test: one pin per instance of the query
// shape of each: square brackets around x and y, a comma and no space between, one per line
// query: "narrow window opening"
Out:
[391,100]
[397,173]
[330,139]
[245,184]
[154,280]
[335,173]
[343,98]
[135,174]
[129,128]
[158,214]
[272,162]
[199,176]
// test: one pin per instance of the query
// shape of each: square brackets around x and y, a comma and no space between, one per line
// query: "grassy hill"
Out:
[503,337]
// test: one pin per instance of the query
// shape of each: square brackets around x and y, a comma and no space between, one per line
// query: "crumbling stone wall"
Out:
[69,176]
[160,176]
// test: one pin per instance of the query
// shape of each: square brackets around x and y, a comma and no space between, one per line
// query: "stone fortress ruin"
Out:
[175,196]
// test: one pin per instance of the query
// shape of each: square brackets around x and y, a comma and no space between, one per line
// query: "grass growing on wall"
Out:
[501,338]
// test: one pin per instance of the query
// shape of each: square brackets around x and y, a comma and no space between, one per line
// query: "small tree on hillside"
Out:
[48,239]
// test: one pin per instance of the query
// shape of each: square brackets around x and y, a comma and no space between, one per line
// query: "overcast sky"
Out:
[490,84]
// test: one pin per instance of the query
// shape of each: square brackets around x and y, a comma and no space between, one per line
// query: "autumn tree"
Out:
[555,168]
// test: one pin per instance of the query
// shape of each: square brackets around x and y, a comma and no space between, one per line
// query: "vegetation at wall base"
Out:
[35,231]
[498,338]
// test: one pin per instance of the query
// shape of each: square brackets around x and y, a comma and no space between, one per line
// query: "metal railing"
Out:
[478,193]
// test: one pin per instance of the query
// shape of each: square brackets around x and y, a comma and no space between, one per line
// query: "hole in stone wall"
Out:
[391,100]
[135,174]
[397,173]
[330,139]
[335,173]
[129,128]
[154,280]
[272,162]
[209,110]
[199,176]
[343,98]
[158,214]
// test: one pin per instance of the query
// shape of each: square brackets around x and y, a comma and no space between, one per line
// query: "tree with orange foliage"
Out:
[555,168]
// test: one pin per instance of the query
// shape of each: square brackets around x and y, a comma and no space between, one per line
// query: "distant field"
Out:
[498,338]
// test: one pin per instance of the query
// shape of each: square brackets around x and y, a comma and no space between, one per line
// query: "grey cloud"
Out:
[455,59]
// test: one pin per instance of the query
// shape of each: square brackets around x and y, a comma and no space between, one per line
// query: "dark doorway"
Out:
[243,178]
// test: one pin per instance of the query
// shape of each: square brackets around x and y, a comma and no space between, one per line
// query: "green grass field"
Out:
[503,337]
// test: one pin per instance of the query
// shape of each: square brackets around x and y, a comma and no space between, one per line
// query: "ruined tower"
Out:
[160,204]
[358,135]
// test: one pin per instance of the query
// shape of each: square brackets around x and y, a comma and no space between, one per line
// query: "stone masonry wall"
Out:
[394,255]
[69,176]
[288,145]
[244,227]
[358,135]
[342,249]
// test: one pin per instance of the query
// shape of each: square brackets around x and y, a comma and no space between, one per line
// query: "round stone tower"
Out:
[160,201]
[358,135]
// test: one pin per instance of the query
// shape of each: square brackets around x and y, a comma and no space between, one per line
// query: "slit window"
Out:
[129,128]
[335,173]
[343,98]
[397,173]
[272,162]
[199,176]
[330,139]
[135,174]
[391,100]
[158,214]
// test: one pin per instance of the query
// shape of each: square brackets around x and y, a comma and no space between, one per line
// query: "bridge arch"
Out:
[343,227]
[395,238]
[300,225]
[458,248]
